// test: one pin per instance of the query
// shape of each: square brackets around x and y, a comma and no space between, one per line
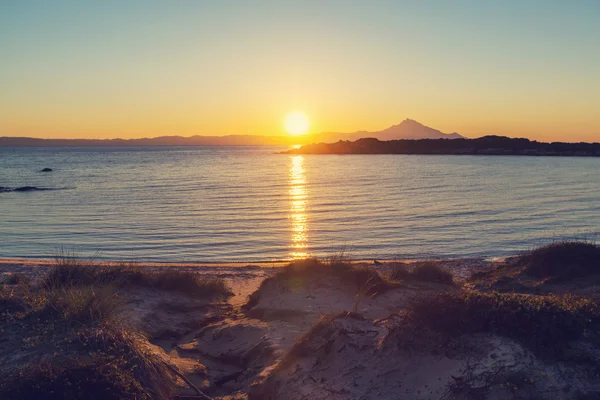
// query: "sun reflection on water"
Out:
[298,208]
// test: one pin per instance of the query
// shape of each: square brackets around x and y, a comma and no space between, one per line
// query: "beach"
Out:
[338,328]
[242,278]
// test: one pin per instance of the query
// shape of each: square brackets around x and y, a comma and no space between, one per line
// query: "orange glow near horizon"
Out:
[298,195]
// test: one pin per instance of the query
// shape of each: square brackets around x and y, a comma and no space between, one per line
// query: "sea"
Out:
[251,204]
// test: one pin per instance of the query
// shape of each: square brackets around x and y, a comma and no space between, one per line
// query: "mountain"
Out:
[407,129]
[411,129]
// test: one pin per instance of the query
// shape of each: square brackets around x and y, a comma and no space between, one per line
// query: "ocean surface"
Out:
[225,204]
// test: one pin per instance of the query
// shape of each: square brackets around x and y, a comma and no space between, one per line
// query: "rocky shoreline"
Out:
[487,145]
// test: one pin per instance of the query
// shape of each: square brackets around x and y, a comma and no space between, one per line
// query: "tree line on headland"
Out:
[487,145]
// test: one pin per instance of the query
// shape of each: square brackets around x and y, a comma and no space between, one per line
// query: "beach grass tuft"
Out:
[73,272]
[425,271]
[365,280]
[564,259]
[78,347]
[544,324]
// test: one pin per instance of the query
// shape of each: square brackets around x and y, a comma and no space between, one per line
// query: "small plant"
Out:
[425,271]
[70,270]
[367,288]
[400,272]
[190,283]
[562,260]
[339,258]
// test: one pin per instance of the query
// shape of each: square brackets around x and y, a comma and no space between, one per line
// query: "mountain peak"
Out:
[408,121]
[411,129]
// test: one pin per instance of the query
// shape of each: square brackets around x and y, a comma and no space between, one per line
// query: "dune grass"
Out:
[564,259]
[425,271]
[363,279]
[190,283]
[345,271]
[77,347]
[544,324]
[77,344]
[71,272]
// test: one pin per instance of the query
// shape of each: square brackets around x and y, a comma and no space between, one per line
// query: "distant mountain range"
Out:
[407,129]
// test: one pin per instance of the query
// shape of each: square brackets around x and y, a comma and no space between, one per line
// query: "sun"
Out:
[296,123]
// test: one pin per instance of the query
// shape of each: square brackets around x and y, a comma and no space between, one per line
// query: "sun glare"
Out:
[296,123]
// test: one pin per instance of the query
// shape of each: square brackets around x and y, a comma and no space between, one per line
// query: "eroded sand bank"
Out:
[293,334]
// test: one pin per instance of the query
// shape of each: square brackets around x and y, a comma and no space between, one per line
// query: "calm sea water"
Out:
[201,204]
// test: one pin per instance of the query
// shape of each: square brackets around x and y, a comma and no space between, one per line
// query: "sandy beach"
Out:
[242,278]
[348,330]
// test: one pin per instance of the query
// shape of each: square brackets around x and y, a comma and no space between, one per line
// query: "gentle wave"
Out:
[217,204]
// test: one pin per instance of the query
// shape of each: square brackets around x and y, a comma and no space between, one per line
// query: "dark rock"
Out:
[486,145]
[28,189]
[46,170]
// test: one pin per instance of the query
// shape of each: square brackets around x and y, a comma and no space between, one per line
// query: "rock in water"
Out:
[28,189]
[46,170]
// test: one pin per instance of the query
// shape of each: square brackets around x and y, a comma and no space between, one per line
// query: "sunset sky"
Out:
[105,69]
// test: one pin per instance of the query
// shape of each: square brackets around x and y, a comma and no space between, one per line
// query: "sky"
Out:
[106,69]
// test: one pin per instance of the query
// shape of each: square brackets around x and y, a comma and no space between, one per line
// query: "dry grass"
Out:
[72,272]
[564,260]
[190,283]
[366,281]
[425,271]
[545,324]
[82,305]
[77,346]
[107,363]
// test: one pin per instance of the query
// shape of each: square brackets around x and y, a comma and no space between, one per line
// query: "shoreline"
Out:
[245,278]
[262,263]
[459,266]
